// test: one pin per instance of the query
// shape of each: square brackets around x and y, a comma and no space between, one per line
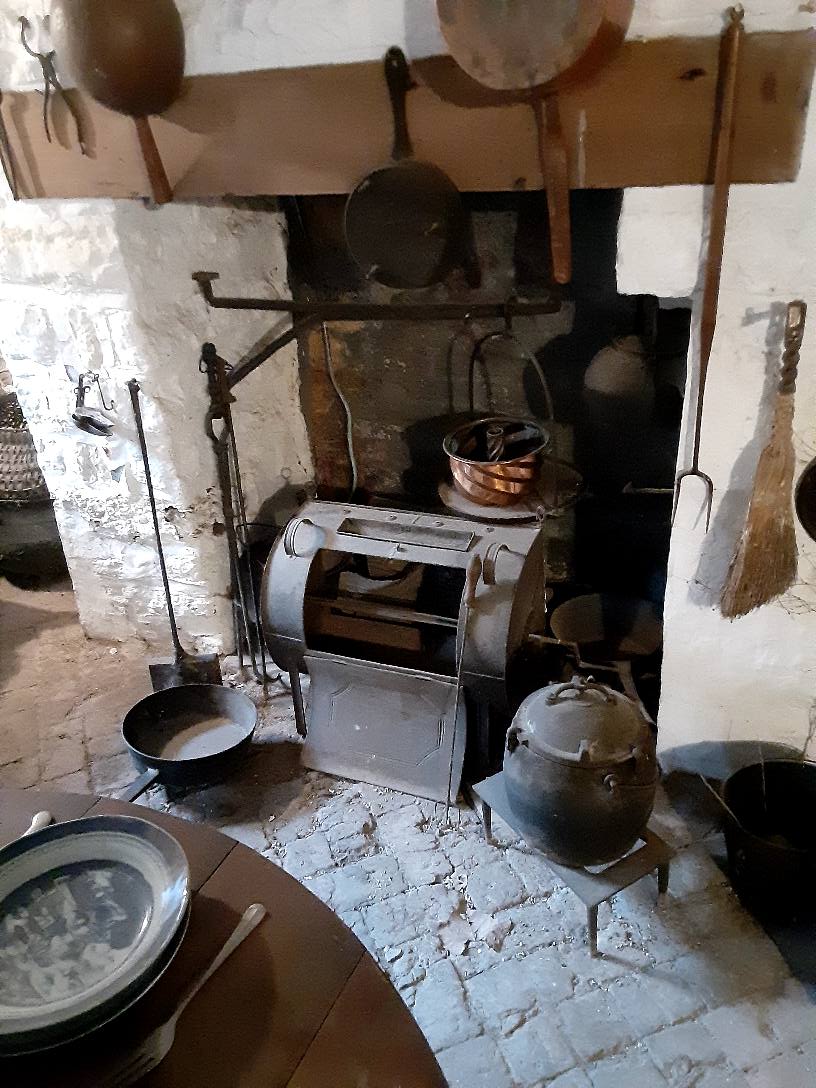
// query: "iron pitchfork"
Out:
[723,145]
[51,83]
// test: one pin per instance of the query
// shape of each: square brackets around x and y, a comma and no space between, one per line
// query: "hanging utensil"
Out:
[51,84]
[86,418]
[129,57]
[405,224]
[764,565]
[723,154]
[186,668]
[526,46]
[244,590]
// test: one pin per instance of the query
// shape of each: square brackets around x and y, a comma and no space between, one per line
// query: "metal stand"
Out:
[591,887]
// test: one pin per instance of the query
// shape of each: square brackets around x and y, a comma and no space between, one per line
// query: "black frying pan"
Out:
[405,224]
[186,736]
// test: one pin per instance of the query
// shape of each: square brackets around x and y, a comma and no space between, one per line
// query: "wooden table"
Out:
[301,1003]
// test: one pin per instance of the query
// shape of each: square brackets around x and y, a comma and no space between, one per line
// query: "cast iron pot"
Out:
[771,843]
[581,772]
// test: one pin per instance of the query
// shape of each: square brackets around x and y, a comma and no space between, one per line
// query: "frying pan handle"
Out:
[142,783]
[552,153]
[157,176]
[398,78]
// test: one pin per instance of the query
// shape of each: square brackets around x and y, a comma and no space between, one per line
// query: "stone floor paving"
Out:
[485,945]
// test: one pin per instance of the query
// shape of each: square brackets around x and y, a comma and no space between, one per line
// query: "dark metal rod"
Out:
[386,613]
[134,388]
[378,311]
[239,372]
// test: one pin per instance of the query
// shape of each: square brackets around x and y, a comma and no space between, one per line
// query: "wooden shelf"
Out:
[644,120]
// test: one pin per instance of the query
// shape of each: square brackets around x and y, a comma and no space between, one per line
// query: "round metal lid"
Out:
[580,722]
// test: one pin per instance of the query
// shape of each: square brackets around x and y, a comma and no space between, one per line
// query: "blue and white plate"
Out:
[88,909]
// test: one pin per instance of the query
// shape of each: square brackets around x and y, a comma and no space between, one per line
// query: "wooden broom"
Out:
[765,561]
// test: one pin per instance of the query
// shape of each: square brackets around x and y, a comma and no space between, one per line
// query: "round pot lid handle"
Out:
[581,684]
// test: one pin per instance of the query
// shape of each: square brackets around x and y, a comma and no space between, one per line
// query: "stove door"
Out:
[385,725]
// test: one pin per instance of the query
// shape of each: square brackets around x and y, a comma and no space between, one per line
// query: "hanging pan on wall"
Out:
[405,224]
[129,56]
[536,48]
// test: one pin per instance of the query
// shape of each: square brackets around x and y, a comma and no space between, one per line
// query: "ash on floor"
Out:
[483,943]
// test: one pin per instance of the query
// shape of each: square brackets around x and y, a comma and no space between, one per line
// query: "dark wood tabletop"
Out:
[300,1003]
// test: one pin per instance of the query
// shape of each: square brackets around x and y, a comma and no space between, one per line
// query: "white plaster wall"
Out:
[753,679]
[105,286]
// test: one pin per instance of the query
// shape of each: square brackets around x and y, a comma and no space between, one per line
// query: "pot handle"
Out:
[581,683]
[137,788]
[513,740]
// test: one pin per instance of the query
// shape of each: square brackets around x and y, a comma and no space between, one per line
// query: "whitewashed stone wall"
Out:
[105,286]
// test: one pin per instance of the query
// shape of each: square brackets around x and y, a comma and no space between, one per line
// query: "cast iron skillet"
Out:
[193,735]
[405,224]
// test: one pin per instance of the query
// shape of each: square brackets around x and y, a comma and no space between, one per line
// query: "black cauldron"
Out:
[581,772]
[770,840]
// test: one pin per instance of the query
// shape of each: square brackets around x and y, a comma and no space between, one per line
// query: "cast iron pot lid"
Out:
[86,908]
[580,722]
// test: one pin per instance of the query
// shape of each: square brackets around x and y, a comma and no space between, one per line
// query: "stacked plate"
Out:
[92,912]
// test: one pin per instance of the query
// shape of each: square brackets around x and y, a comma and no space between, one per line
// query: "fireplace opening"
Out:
[603,376]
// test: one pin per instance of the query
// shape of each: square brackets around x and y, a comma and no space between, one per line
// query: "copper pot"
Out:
[495,461]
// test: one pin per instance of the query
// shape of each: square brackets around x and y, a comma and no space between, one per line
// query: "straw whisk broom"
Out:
[764,565]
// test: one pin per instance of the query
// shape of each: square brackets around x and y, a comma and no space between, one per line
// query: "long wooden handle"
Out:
[159,185]
[723,156]
[794,334]
[552,155]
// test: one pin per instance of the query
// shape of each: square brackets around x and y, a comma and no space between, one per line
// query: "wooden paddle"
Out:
[537,47]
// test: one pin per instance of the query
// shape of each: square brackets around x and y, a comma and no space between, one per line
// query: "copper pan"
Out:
[505,480]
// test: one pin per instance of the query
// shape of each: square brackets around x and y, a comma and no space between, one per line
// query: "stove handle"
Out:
[489,564]
[317,538]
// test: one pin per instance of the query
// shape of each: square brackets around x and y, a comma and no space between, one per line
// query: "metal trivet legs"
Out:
[592,888]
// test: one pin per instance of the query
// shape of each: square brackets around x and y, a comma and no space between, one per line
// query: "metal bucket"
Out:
[771,843]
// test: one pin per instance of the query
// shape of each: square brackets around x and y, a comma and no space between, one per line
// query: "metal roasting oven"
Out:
[374,605]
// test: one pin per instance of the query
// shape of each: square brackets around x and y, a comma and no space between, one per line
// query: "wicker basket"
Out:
[20,476]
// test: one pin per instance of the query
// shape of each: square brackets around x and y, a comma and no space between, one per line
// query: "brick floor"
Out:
[484,944]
